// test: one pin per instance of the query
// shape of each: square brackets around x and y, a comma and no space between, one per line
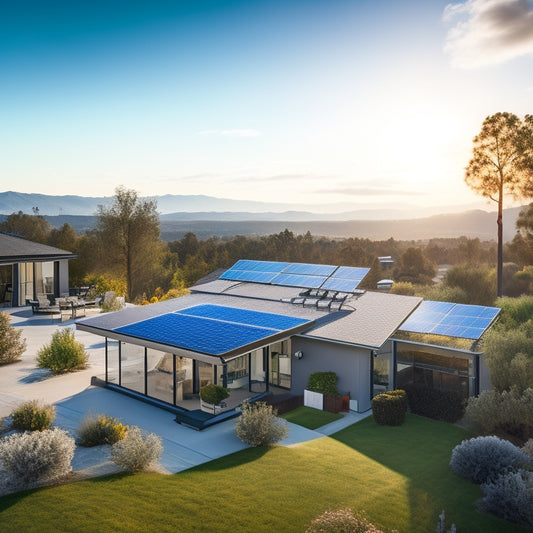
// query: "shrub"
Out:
[341,521]
[483,459]
[441,525]
[510,497]
[11,344]
[113,304]
[63,354]
[509,413]
[434,403]
[33,416]
[36,456]
[137,450]
[527,448]
[258,425]
[213,394]
[388,408]
[323,382]
[100,429]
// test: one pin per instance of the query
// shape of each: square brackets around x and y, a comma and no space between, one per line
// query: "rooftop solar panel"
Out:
[248,275]
[244,316]
[297,280]
[308,269]
[211,329]
[344,272]
[453,320]
[303,275]
[342,285]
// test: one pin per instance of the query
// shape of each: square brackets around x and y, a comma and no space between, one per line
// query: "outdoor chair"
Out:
[43,305]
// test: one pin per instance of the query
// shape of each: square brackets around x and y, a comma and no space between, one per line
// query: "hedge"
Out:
[323,382]
[388,408]
[445,405]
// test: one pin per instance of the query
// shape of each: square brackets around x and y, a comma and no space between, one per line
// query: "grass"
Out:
[310,418]
[398,475]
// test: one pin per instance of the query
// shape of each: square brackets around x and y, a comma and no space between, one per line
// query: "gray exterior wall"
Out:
[63,276]
[484,375]
[351,364]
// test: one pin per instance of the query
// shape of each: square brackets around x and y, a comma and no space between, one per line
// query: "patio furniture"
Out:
[71,307]
[43,305]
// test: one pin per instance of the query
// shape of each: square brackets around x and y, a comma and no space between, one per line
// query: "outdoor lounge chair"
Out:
[43,305]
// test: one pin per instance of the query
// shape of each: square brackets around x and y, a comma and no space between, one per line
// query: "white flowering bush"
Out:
[527,448]
[510,496]
[258,425]
[137,451]
[36,456]
[483,459]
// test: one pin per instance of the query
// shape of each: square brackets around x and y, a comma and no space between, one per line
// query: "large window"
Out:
[237,373]
[44,278]
[280,364]
[435,368]
[25,283]
[6,285]
[112,373]
[184,378]
[132,366]
[160,375]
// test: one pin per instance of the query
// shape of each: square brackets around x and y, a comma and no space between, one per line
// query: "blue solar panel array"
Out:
[211,329]
[302,275]
[453,320]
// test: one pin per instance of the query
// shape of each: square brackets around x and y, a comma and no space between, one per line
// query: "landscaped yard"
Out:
[398,475]
[310,418]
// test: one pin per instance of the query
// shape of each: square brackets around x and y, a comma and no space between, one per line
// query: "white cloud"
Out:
[232,133]
[488,31]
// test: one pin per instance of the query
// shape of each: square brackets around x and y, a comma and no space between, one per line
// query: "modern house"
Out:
[264,327]
[29,269]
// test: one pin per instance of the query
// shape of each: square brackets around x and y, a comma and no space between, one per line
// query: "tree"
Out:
[32,227]
[500,165]
[129,233]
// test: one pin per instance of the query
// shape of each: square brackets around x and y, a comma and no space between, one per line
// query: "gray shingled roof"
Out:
[375,318]
[15,250]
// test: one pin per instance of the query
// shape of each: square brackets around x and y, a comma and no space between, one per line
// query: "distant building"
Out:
[29,269]
[386,262]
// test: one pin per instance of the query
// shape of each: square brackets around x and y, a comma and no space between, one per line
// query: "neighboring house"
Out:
[29,269]
[264,327]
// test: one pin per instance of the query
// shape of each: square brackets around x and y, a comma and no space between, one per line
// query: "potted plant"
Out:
[212,398]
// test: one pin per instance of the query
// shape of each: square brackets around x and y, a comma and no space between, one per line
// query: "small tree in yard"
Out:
[258,425]
[11,344]
[63,354]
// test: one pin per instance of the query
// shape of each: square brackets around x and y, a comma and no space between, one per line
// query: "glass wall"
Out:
[26,291]
[435,368]
[132,366]
[44,278]
[280,365]
[6,285]
[237,373]
[160,375]
[382,373]
[112,361]
[184,378]
[258,371]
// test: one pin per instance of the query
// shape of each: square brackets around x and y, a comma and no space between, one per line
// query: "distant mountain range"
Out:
[232,219]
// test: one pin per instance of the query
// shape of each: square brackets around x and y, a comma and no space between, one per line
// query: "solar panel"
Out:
[303,275]
[211,329]
[453,320]
[342,285]
[308,269]
[248,275]
[344,272]
[296,280]
[243,316]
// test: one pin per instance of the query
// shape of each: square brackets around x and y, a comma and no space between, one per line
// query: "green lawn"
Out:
[310,418]
[398,475]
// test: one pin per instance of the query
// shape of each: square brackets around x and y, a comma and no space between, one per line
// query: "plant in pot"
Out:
[212,398]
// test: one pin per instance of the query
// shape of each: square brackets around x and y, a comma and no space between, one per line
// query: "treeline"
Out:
[126,252]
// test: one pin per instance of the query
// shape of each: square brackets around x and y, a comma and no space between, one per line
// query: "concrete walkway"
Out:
[74,399]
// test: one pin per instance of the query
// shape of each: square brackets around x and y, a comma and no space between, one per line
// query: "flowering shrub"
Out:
[36,456]
[63,354]
[510,497]
[483,459]
[33,416]
[258,425]
[11,344]
[137,450]
[342,521]
[100,429]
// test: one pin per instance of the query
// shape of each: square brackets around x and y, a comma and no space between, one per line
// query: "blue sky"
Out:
[366,103]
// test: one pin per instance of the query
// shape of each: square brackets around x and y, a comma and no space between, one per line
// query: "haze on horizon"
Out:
[369,103]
